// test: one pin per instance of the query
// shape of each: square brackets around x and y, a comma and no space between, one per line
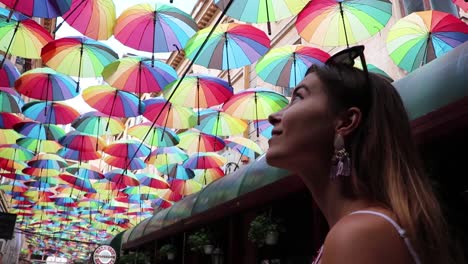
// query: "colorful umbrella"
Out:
[50,112]
[9,136]
[85,171]
[218,123]
[185,187]
[77,182]
[38,130]
[92,18]
[255,104]
[264,126]
[9,102]
[198,91]
[95,123]
[122,178]
[244,146]
[13,187]
[287,65]
[338,22]
[463,4]
[196,141]
[152,180]
[81,142]
[176,171]
[125,162]
[421,36]
[154,28]
[230,46]
[138,75]
[164,113]
[207,176]
[46,84]
[154,135]
[8,120]
[39,8]
[39,145]
[78,56]
[374,69]
[8,73]
[77,155]
[22,37]
[15,152]
[261,11]
[161,203]
[113,102]
[127,148]
[168,155]
[204,160]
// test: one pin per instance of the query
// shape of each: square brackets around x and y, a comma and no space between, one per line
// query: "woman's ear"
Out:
[348,121]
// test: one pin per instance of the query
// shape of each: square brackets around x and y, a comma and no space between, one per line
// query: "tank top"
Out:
[399,229]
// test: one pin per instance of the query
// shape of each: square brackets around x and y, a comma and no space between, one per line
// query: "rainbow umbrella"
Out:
[154,135]
[152,181]
[176,171]
[95,123]
[264,126]
[85,171]
[122,178]
[339,22]
[125,162]
[22,37]
[78,56]
[15,152]
[80,156]
[196,141]
[39,145]
[463,4]
[10,186]
[50,112]
[421,36]
[287,65]
[206,176]
[47,161]
[127,148]
[255,104]
[46,84]
[161,203]
[83,184]
[374,69]
[261,11]
[11,165]
[39,8]
[204,160]
[230,46]
[169,195]
[81,142]
[168,155]
[8,73]
[9,102]
[198,91]
[154,28]
[9,136]
[8,120]
[218,123]
[113,102]
[137,75]
[92,18]
[244,146]
[185,187]
[38,130]
[164,113]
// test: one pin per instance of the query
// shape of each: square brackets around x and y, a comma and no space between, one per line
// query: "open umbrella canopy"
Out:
[125,162]
[78,56]
[92,18]
[9,136]
[166,114]
[152,181]
[50,112]
[176,171]
[46,84]
[122,178]
[97,124]
[85,171]
[154,135]
[206,176]
[78,155]
[218,123]
[421,36]
[8,120]
[127,148]
[204,160]
[338,23]
[9,102]
[23,37]
[287,65]
[196,141]
[244,146]
[39,8]
[185,187]
[82,142]
[113,102]
[8,73]
[168,155]
[139,75]
[39,145]
[38,130]
[154,28]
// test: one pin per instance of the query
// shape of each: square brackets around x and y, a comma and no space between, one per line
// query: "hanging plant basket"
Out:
[265,229]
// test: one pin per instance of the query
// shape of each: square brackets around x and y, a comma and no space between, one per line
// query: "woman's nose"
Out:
[275,118]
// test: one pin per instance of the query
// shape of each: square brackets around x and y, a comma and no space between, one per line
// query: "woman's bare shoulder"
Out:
[364,238]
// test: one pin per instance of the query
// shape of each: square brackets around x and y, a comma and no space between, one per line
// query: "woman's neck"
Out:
[329,198]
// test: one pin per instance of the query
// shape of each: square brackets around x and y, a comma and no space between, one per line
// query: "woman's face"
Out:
[303,133]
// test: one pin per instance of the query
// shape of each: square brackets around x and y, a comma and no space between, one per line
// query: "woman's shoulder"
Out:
[365,238]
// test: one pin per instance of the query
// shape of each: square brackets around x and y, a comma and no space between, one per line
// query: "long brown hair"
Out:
[387,164]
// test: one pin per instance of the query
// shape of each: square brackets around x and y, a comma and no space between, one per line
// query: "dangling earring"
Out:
[341,161]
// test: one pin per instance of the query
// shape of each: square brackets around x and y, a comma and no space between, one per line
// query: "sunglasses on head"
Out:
[347,57]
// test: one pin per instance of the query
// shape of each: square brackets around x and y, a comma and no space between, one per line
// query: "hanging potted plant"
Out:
[201,241]
[265,229]
[169,250]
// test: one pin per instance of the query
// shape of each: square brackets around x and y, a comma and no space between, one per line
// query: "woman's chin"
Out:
[275,160]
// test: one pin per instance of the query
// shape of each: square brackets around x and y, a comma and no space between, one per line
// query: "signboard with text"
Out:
[104,255]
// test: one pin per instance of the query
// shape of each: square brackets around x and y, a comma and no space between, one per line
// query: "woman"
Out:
[347,135]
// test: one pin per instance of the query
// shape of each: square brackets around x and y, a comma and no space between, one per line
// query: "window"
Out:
[447,6]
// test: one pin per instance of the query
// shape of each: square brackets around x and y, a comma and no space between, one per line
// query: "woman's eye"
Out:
[297,97]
